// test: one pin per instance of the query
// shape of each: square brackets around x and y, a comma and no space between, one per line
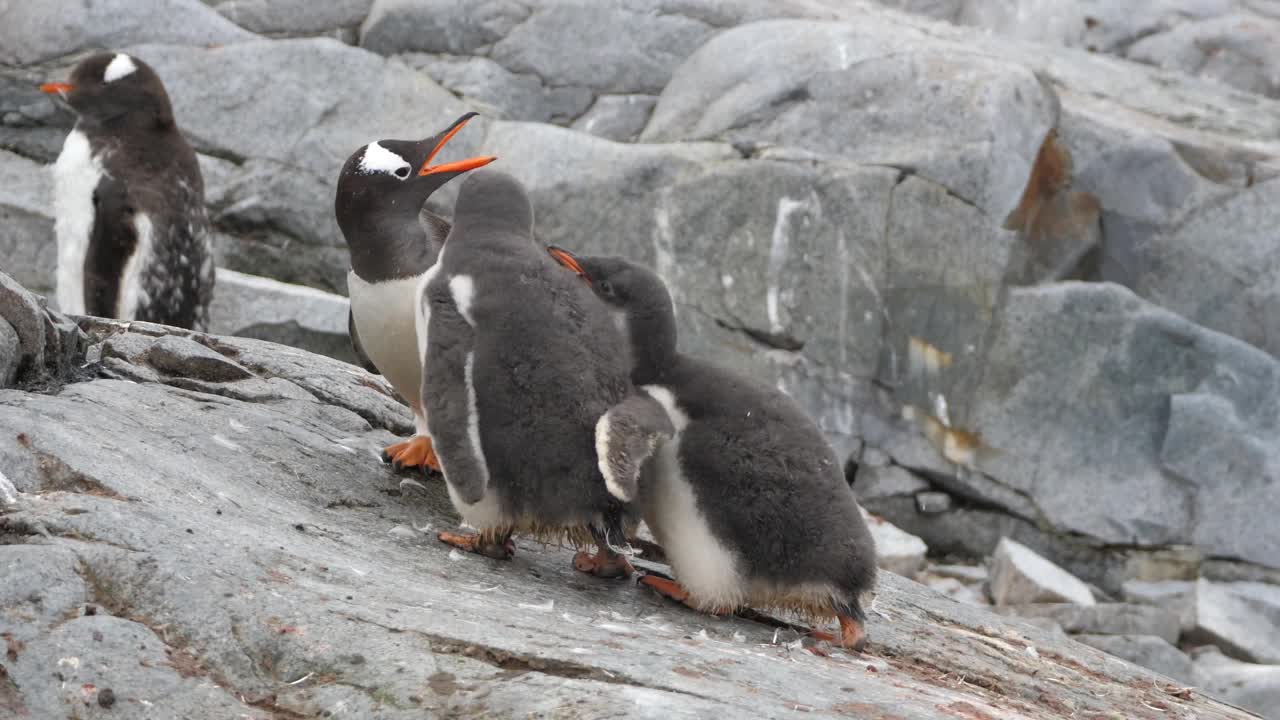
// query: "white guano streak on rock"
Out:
[781,241]
[664,261]
[8,492]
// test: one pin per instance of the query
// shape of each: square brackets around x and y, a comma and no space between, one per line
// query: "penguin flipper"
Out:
[449,393]
[357,348]
[626,436]
[112,241]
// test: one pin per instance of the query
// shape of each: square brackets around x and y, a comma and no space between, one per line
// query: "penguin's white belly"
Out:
[75,176]
[384,315]
[487,513]
[706,568]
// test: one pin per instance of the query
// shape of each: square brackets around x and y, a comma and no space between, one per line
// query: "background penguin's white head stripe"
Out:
[378,159]
[120,66]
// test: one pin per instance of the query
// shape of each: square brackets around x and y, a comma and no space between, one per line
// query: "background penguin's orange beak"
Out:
[565,258]
[458,165]
[56,88]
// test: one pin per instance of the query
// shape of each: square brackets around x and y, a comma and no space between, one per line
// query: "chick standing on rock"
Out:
[133,234]
[748,500]
[379,205]
[521,365]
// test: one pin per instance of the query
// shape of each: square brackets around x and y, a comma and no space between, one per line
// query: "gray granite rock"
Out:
[1153,653]
[266,309]
[1018,575]
[873,482]
[1120,342]
[1241,618]
[1231,41]
[617,117]
[896,551]
[1105,618]
[33,32]
[1154,159]
[1239,49]
[500,92]
[174,355]
[1173,595]
[1253,687]
[294,17]
[972,123]
[26,215]
[210,552]
[10,354]
[25,316]
[620,46]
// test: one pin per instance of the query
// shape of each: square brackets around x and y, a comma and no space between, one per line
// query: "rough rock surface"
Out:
[896,550]
[1104,618]
[1019,575]
[1242,619]
[1148,651]
[1231,41]
[827,185]
[1253,687]
[266,309]
[294,17]
[32,32]
[39,348]
[26,214]
[180,545]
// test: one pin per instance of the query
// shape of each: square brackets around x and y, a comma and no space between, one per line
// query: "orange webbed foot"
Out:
[674,591]
[480,544]
[417,451]
[603,564]
[853,636]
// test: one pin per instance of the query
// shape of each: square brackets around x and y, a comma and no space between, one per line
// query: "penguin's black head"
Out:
[619,282]
[395,177]
[110,88]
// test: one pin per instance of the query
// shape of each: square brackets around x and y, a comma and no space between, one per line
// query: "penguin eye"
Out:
[605,287]
[402,172]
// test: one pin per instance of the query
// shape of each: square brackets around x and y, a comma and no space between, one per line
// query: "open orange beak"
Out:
[565,258]
[458,165]
[56,88]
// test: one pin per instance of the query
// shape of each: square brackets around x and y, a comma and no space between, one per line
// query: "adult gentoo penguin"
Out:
[526,379]
[748,500]
[133,235]
[379,205]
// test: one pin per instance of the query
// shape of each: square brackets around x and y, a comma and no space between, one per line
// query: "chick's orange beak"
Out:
[56,88]
[565,258]
[458,165]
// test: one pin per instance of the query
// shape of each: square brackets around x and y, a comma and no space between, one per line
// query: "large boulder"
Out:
[1151,154]
[36,31]
[1241,618]
[293,315]
[1019,575]
[1254,687]
[39,348]
[1138,385]
[1149,651]
[244,552]
[294,17]
[26,223]
[1230,41]
[510,56]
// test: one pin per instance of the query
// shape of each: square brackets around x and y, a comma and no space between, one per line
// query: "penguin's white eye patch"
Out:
[378,159]
[120,66]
